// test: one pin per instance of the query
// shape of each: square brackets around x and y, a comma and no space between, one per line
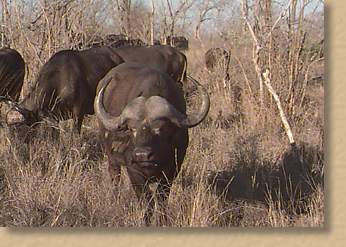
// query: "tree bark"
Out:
[152,22]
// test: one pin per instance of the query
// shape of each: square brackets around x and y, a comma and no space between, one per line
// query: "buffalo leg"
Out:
[114,157]
[181,143]
[77,124]
[114,169]
[143,193]
[181,146]
[78,116]
[163,190]
[55,132]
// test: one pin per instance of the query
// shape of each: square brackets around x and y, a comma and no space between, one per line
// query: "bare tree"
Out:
[152,22]
[5,22]
[124,11]
[175,14]
[204,9]
[264,74]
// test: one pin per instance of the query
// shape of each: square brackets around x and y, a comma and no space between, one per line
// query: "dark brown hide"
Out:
[12,71]
[179,42]
[160,57]
[66,86]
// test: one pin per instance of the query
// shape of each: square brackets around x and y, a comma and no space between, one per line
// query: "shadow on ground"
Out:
[295,176]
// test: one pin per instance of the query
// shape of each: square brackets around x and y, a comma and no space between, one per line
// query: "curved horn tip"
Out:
[195,119]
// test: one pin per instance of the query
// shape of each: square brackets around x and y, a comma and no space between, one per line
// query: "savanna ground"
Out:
[239,170]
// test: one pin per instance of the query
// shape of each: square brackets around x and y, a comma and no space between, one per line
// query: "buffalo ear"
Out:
[122,124]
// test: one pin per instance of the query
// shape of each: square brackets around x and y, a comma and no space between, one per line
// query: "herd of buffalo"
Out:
[136,93]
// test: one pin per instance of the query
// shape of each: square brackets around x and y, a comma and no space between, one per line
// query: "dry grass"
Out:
[239,169]
[237,172]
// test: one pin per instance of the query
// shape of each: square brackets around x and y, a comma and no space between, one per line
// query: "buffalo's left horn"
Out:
[193,120]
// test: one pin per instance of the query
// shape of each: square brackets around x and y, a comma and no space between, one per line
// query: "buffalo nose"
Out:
[143,154]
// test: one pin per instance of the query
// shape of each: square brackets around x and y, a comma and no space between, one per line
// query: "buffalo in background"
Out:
[66,87]
[218,58]
[161,57]
[179,42]
[114,41]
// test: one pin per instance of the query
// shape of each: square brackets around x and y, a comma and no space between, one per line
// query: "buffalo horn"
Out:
[133,110]
[109,122]
[114,123]
[193,120]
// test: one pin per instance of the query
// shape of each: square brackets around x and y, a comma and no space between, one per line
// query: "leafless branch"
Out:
[266,76]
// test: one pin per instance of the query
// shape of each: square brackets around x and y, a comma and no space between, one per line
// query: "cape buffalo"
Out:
[115,41]
[179,42]
[218,58]
[143,125]
[127,43]
[162,57]
[66,87]
[12,71]
[157,42]
[111,38]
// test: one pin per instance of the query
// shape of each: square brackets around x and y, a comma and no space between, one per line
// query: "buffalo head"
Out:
[153,123]
[18,115]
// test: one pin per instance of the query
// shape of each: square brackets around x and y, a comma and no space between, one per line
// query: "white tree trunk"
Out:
[278,103]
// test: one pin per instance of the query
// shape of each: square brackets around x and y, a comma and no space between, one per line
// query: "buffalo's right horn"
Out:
[133,110]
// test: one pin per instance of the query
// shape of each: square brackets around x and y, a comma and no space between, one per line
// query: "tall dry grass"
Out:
[239,169]
[237,172]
